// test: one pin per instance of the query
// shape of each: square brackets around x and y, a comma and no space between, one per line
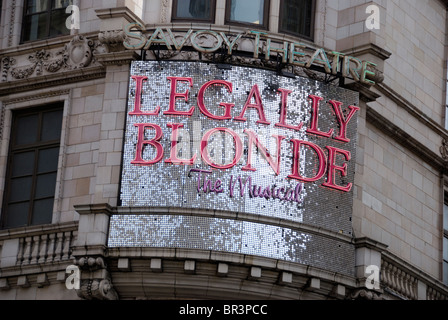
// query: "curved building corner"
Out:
[223,150]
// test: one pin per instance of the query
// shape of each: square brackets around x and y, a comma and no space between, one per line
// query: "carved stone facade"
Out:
[77,54]
[398,196]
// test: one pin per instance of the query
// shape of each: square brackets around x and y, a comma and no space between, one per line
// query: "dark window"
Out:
[197,10]
[44,19]
[297,17]
[445,241]
[32,167]
[251,13]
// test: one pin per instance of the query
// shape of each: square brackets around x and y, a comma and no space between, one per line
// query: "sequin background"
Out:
[167,185]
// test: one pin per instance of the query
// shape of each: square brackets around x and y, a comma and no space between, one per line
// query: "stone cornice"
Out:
[40,95]
[117,58]
[52,80]
[37,230]
[118,12]
[275,279]
[412,109]
[369,48]
[103,208]
[406,140]
[365,242]
[226,257]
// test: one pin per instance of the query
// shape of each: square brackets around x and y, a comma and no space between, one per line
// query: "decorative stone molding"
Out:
[44,67]
[38,59]
[444,149]
[112,40]
[76,54]
[12,7]
[91,263]
[7,62]
[2,119]
[364,294]
[95,279]
[164,11]
[97,289]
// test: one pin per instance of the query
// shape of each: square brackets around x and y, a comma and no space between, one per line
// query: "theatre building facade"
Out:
[223,149]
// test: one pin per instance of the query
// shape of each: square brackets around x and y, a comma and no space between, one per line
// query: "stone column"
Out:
[367,269]
[89,252]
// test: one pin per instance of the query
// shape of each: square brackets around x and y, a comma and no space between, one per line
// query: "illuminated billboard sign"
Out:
[240,140]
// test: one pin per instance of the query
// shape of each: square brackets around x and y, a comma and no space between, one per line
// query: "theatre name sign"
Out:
[263,47]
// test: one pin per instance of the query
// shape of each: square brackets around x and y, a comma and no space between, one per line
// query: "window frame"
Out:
[264,26]
[211,19]
[47,25]
[36,147]
[444,262]
[312,22]
[444,236]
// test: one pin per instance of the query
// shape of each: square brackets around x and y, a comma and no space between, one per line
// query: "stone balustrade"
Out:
[406,282]
[45,248]
[37,245]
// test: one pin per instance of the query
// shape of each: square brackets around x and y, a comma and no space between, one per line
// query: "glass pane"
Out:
[61,3]
[445,249]
[35,27]
[48,160]
[20,189]
[446,112]
[23,164]
[296,16]
[445,272]
[193,9]
[17,215]
[249,11]
[57,23]
[26,129]
[42,211]
[45,185]
[34,6]
[445,216]
[51,125]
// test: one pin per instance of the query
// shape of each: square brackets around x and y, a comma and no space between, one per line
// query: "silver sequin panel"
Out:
[228,235]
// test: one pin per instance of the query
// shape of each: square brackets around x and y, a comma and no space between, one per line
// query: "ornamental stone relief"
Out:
[112,40]
[78,53]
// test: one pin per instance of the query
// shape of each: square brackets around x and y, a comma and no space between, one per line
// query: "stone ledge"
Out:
[406,140]
[215,257]
[218,280]
[52,80]
[412,109]
[37,230]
